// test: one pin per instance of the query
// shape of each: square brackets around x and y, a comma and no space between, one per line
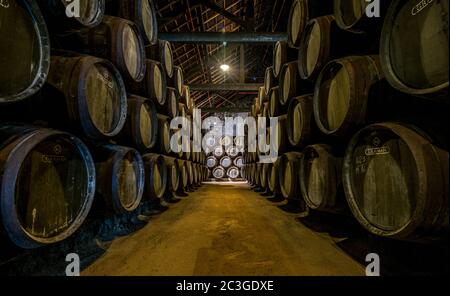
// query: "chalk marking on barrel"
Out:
[420,6]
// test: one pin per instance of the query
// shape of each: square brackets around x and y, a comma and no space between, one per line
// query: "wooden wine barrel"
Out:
[177,81]
[190,170]
[211,162]
[300,123]
[323,41]
[91,13]
[245,157]
[233,173]
[24,51]
[281,139]
[141,127]
[182,110]
[162,52]
[153,86]
[226,162]
[301,12]
[321,173]
[115,39]
[239,142]
[206,173]
[219,173]
[194,175]
[226,141]
[173,174]
[186,98]
[273,181]
[183,175]
[248,172]
[187,151]
[210,142]
[414,47]
[253,111]
[95,97]
[141,12]
[219,152]
[396,182]
[352,16]
[265,110]
[244,172]
[176,150]
[197,175]
[232,151]
[289,175]
[341,95]
[120,177]
[164,135]
[262,95]
[269,81]
[266,168]
[193,155]
[170,107]
[274,103]
[290,83]
[315,48]
[156,175]
[252,174]
[282,54]
[258,106]
[47,184]
[258,173]
[199,169]
[238,162]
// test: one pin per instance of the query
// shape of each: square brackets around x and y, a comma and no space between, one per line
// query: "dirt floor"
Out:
[225,230]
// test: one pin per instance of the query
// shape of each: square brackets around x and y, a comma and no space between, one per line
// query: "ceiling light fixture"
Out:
[225,67]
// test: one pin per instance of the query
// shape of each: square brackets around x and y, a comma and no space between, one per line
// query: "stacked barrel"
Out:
[362,106]
[86,126]
[224,158]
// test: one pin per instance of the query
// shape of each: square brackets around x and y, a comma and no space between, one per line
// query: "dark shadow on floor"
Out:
[276,199]
[338,226]
[293,206]
[172,199]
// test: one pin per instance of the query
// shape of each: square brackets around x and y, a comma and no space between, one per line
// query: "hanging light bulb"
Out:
[225,67]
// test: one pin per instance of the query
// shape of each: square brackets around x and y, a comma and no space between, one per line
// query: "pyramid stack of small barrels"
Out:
[362,104]
[85,109]
[224,157]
